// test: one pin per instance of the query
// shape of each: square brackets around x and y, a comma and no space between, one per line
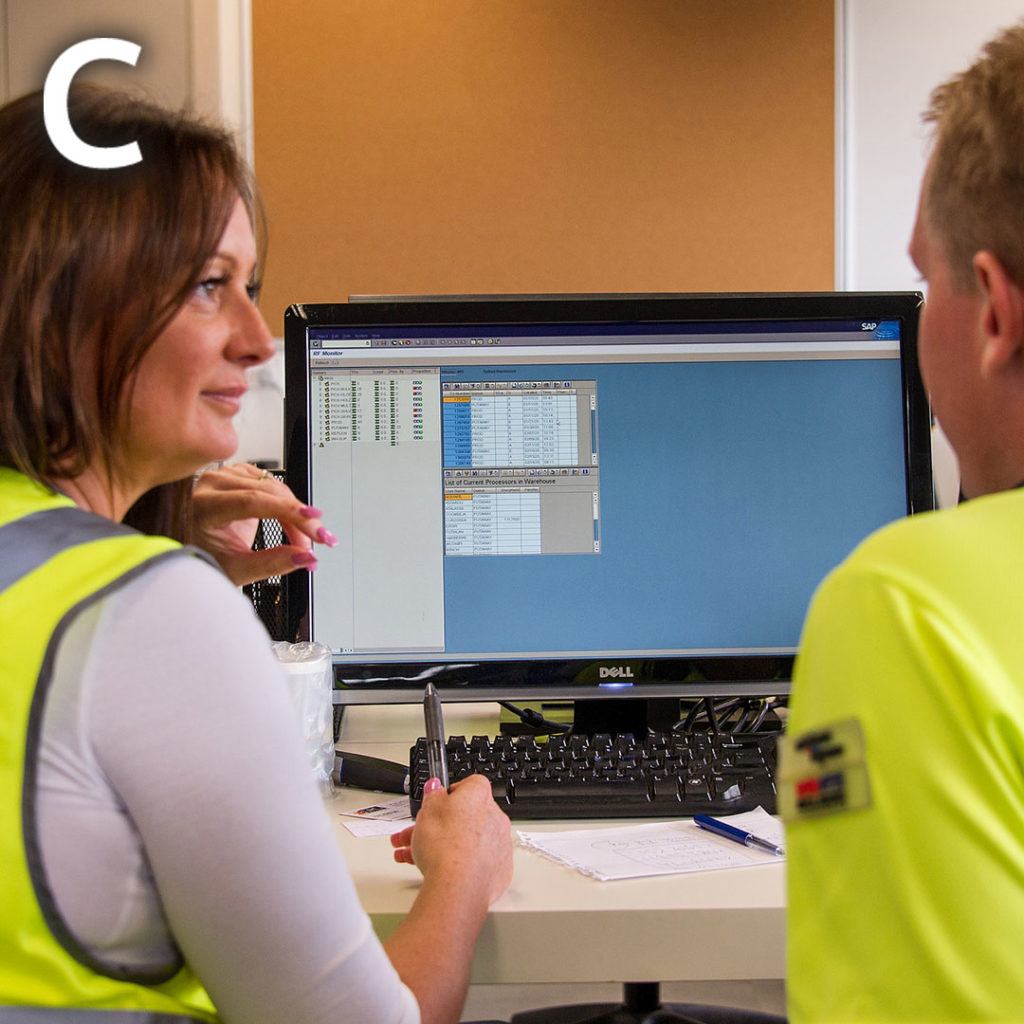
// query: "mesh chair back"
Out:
[270,596]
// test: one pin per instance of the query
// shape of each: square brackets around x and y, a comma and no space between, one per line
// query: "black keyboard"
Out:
[662,775]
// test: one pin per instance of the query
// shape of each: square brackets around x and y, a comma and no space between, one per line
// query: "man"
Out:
[903,780]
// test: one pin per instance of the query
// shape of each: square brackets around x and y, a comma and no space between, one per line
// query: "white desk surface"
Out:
[554,924]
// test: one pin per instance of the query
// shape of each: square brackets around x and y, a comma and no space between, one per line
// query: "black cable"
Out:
[765,708]
[709,706]
[725,709]
[691,717]
[750,708]
[726,715]
[535,720]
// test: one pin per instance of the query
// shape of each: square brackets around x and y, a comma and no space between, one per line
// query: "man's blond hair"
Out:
[974,189]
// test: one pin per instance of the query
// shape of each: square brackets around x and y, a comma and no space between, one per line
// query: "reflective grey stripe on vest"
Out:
[29,542]
[59,1015]
[25,545]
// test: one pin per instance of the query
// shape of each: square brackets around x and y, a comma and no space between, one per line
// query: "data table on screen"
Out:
[511,428]
[506,523]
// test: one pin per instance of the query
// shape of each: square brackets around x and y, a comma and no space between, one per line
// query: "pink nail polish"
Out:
[304,561]
[431,786]
[311,511]
[326,537]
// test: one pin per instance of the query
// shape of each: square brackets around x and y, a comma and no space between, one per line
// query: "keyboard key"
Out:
[596,792]
[666,788]
[725,787]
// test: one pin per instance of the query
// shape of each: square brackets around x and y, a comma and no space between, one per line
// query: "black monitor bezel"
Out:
[534,679]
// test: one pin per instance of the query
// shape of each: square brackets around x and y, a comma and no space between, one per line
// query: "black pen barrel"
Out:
[433,716]
[434,719]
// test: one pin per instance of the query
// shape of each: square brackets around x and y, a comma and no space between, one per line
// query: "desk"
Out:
[554,924]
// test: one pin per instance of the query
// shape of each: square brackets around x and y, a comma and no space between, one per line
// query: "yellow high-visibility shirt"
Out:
[911,908]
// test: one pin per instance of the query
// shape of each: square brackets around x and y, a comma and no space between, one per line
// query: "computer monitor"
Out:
[573,497]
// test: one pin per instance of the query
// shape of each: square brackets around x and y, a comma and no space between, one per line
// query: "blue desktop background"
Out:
[728,491]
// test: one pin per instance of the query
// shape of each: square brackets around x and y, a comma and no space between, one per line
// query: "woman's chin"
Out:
[208,455]
[223,449]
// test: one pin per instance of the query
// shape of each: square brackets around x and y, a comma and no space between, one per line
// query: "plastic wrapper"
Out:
[307,667]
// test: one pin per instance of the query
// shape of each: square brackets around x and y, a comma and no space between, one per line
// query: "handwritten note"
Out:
[658,848]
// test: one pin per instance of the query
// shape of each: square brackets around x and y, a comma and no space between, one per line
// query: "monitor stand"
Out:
[625,714]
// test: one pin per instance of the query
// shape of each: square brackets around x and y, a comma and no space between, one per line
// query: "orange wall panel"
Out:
[437,146]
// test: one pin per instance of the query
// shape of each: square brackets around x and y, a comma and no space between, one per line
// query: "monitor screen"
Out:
[573,496]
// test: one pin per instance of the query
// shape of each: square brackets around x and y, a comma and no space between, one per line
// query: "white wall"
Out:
[890,54]
[37,31]
[195,53]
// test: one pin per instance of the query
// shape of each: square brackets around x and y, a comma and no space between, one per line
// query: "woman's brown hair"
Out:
[95,263]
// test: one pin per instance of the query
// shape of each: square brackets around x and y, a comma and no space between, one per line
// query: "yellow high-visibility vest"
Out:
[55,560]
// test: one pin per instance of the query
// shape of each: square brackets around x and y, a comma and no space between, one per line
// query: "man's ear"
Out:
[1001,322]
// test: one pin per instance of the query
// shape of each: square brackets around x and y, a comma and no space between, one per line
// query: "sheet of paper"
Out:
[362,829]
[380,819]
[761,823]
[658,848]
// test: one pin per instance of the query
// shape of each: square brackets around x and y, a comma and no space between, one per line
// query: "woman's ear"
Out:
[1001,323]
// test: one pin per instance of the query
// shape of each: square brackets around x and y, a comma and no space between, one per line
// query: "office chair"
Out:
[270,596]
[695,1013]
[641,1004]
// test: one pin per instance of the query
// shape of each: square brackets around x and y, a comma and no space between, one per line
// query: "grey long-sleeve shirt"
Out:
[174,799]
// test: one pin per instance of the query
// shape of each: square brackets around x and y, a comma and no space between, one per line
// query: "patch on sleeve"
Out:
[823,771]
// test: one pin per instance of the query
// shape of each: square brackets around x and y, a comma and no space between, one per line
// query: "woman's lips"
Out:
[229,398]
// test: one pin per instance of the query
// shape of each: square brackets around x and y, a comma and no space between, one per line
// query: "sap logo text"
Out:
[617,672]
[55,104]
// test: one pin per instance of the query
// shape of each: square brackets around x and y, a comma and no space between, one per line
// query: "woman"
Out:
[140,873]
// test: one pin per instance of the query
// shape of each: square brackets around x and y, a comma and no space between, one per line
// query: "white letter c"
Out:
[55,103]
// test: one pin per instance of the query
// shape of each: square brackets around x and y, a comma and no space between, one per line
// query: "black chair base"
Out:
[641,1004]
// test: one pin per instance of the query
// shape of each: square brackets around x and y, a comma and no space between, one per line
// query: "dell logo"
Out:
[615,672]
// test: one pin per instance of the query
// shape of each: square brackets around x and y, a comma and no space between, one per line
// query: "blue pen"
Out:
[737,835]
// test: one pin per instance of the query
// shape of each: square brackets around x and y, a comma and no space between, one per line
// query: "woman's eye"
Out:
[252,289]
[208,286]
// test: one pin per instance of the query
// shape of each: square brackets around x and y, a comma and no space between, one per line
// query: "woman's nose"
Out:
[253,342]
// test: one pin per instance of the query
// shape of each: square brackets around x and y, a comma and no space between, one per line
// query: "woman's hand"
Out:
[461,833]
[463,845]
[227,505]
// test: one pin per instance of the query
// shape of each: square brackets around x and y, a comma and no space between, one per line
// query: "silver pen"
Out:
[437,761]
